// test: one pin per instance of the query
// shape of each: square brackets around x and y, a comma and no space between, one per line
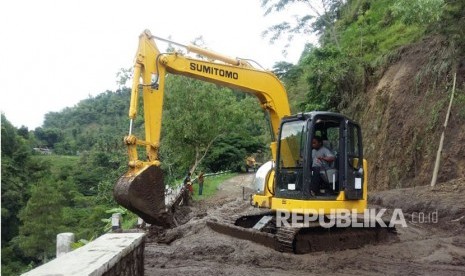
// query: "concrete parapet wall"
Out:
[110,254]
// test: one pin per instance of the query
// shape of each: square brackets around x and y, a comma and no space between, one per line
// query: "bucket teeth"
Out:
[144,194]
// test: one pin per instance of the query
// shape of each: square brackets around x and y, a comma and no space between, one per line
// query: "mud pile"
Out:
[422,248]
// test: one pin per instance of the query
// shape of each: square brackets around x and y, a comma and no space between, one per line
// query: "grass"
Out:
[210,185]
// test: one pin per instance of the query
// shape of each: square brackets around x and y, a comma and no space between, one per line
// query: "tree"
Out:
[23,131]
[228,153]
[123,76]
[97,166]
[19,170]
[329,75]
[283,70]
[320,18]
[197,114]
[49,136]
[15,178]
[189,130]
[41,220]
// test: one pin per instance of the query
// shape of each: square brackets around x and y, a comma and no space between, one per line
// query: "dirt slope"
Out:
[402,113]
[422,248]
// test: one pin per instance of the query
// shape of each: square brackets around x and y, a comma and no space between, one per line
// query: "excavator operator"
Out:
[322,158]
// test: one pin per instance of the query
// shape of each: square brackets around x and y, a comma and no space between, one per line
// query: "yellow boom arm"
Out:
[151,66]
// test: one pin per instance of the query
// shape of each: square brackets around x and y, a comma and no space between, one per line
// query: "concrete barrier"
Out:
[110,254]
[64,241]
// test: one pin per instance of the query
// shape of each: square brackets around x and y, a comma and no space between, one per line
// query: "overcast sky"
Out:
[55,53]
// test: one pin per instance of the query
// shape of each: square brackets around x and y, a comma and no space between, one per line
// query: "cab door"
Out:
[353,161]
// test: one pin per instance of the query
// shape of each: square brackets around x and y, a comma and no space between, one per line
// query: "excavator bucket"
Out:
[143,193]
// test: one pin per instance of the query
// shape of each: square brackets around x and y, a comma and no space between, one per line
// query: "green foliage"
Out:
[286,71]
[65,210]
[41,220]
[94,123]
[43,192]
[129,220]
[96,167]
[418,11]
[48,137]
[60,165]
[12,262]
[355,38]
[296,85]
[13,145]
[84,220]
[328,77]
[369,29]
[196,115]
[19,171]
[228,153]
[79,243]
[452,25]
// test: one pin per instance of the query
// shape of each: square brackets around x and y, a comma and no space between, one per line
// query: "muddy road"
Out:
[431,246]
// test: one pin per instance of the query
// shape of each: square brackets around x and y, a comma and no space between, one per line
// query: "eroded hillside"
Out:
[402,113]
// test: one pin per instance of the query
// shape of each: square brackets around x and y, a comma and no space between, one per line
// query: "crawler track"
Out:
[301,240]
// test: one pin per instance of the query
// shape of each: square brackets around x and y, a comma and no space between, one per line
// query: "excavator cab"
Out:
[293,172]
[291,183]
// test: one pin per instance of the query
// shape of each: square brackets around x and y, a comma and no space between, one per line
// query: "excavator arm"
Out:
[141,189]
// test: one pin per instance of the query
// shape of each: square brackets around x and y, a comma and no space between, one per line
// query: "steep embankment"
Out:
[402,113]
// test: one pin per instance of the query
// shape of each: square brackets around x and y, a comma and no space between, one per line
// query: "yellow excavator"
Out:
[285,184]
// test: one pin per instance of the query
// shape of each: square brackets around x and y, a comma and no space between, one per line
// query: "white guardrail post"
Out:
[64,241]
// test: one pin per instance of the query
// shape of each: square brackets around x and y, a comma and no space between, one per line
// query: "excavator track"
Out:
[241,226]
[317,238]
[285,237]
[301,240]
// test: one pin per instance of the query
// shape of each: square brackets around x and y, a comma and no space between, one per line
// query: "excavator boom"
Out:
[141,189]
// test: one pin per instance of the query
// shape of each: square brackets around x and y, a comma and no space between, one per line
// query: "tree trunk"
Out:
[200,156]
